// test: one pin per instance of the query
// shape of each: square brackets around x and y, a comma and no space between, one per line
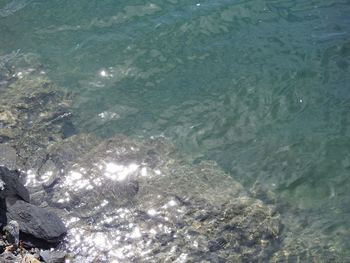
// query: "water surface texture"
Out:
[260,87]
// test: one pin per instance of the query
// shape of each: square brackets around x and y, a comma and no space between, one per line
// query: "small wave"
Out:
[12,7]
[332,36]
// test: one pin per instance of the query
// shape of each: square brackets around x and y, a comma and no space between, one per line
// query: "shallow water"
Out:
[260,87]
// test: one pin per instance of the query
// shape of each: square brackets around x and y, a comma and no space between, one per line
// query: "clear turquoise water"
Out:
[261,87]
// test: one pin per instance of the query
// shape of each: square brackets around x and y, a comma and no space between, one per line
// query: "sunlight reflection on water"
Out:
[100,239]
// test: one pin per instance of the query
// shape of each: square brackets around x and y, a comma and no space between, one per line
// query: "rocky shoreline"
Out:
[122,199]
[30,113]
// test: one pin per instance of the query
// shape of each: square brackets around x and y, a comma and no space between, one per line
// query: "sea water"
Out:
[260,87]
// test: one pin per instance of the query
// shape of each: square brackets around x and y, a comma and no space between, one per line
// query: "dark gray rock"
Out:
[53,256]
[36,222]
[12,187]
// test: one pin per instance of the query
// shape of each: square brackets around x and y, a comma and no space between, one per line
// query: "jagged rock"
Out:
[13,188]
[36,222]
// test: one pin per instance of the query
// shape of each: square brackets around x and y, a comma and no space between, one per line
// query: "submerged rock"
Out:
[34,113]
[8,156]
[130,201]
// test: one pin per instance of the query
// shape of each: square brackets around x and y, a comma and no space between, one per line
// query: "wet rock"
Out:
[73,148]
[53,256]
[13,188]
[11,231]
[114,193]
[37,224]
